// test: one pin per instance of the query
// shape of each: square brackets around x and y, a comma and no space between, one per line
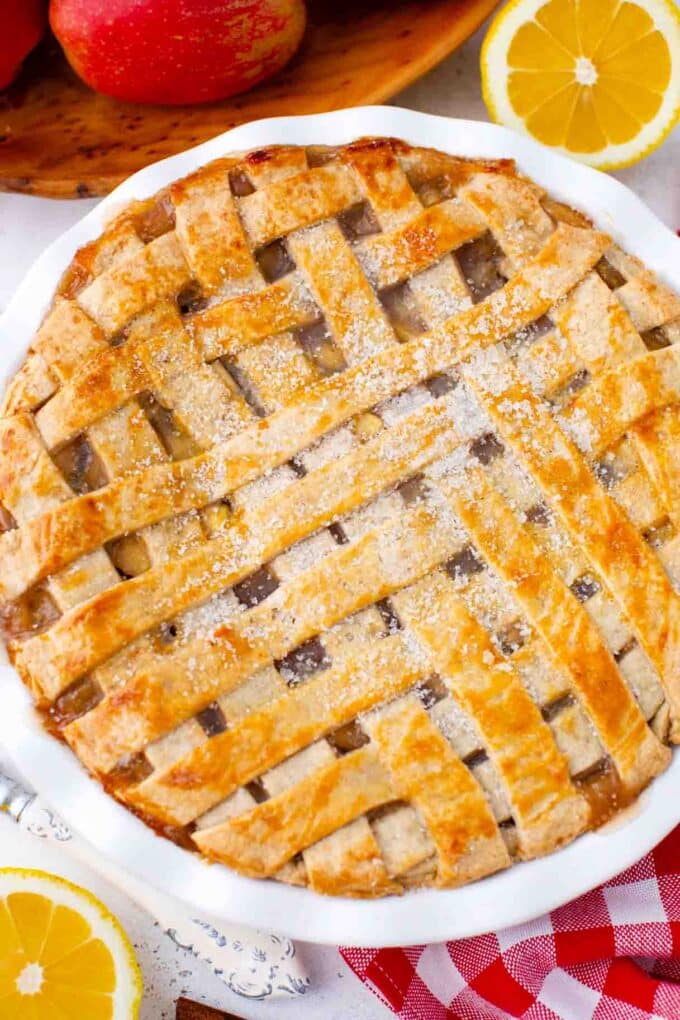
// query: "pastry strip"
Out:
[351,310]
[209,231]
[385,183]
[647,301]
[619,398]
[597,326]
[297,201]
[389,258]
[158,271]
[513,211]
[657,439]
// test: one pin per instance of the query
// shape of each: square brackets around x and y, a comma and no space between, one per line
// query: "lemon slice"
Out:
[62,954]
[597,79]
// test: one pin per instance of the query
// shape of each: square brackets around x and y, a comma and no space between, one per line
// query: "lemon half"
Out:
[599,80]
[63,956]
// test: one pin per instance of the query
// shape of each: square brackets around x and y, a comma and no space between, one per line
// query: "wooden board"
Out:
[59,138]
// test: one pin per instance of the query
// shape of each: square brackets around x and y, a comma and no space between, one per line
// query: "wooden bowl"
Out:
[59,138]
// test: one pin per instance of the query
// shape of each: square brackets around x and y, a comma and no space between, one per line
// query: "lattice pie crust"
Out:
[341,510]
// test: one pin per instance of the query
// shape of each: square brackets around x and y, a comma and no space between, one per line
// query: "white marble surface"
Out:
[27,225]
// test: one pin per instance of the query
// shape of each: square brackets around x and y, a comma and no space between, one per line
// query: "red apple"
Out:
[23,26]
[176,51]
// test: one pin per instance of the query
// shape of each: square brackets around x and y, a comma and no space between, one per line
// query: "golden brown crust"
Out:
[341,490]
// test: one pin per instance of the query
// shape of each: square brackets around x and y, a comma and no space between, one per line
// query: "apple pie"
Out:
[341,516]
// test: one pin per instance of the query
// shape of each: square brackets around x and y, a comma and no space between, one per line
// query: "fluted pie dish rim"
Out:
[507,897]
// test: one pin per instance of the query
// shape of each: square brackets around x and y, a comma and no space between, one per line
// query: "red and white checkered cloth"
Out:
[613,954]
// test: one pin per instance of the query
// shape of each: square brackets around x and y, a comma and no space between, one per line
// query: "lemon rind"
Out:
[613,157]
[128,995]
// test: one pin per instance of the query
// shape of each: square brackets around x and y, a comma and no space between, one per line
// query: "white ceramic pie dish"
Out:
[428,915]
